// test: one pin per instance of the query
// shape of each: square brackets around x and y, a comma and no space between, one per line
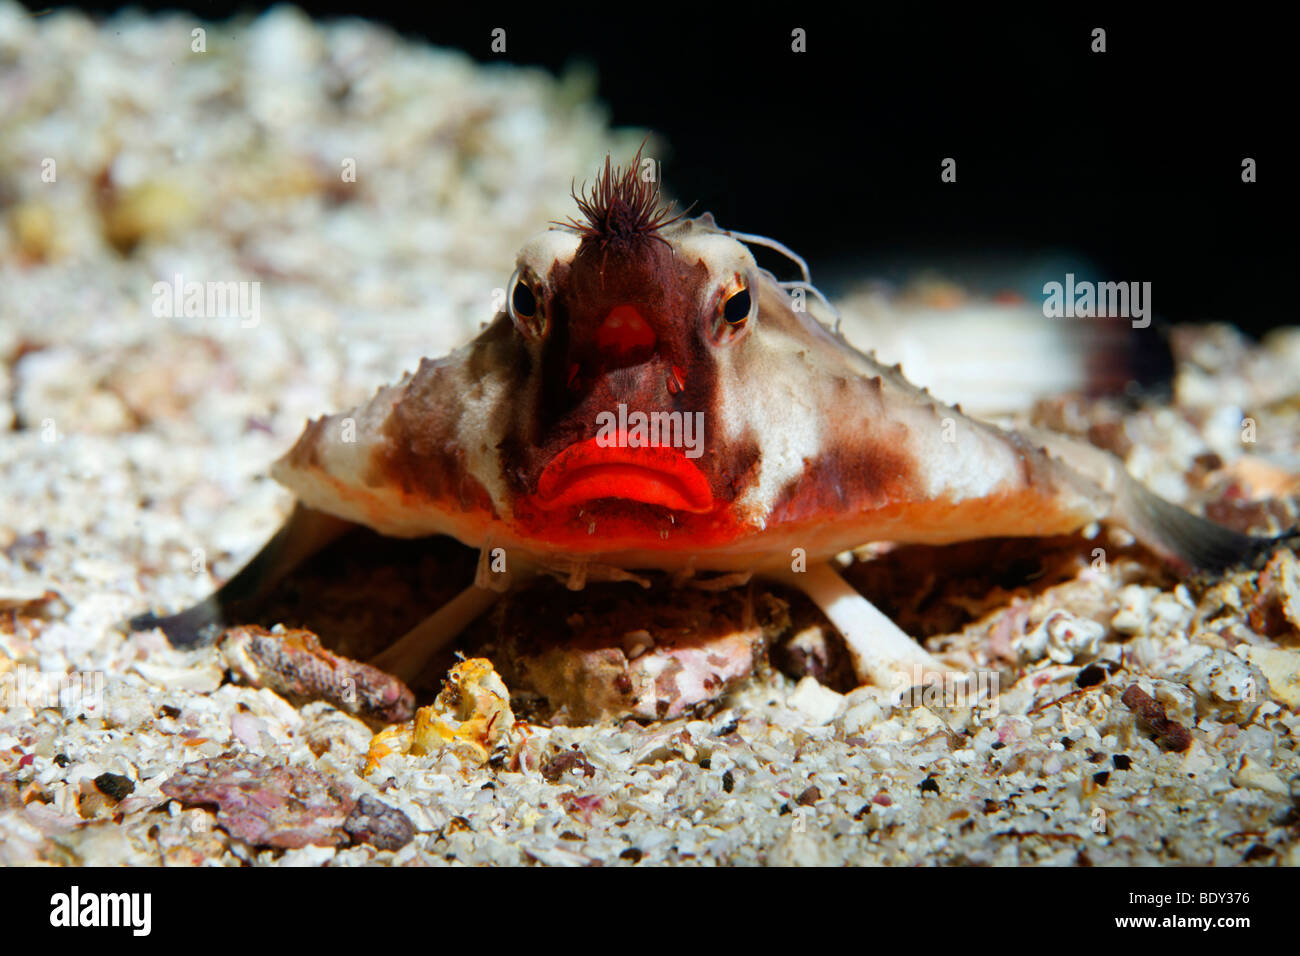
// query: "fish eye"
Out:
[523,301]
[733,310]
[736,309]
[525,306]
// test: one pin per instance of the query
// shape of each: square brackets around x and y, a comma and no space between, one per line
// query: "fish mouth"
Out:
[652,475]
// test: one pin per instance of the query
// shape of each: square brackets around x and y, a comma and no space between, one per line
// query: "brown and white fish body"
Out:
[650,399]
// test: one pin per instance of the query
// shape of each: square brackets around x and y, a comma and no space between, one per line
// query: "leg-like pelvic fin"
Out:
[411,653]
[305,533]
[882,653]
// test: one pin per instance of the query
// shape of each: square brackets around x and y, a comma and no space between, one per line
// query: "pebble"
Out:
[816,701]
[1281,667]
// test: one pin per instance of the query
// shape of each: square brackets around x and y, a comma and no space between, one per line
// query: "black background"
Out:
[341,910]
[1130,160]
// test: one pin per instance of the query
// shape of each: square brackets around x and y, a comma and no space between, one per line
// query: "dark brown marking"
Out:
[420,453]
[848,478]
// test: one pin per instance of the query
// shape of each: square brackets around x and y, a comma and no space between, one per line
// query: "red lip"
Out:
[655,475]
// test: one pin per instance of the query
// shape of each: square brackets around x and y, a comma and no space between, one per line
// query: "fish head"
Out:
[629,327]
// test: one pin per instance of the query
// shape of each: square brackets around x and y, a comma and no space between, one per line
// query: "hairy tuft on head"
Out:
[622,209]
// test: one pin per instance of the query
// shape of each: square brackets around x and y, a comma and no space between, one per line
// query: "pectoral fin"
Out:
[1186,541]
[882,653]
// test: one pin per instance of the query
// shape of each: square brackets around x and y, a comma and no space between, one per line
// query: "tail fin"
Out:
[305,533]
